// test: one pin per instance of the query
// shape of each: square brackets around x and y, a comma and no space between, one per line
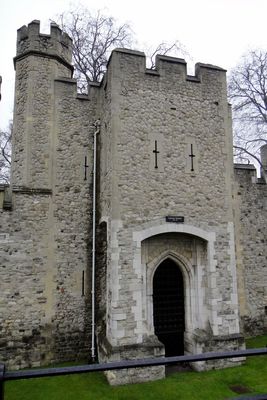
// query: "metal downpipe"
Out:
[97,130]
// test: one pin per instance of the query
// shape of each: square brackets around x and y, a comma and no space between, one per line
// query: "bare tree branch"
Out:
[242,155]
[94,37]
[5,154]
[164,48]
[247,86]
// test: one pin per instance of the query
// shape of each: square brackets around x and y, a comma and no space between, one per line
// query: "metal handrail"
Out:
[148,362]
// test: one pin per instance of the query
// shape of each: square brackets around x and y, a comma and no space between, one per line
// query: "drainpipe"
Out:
[96,131]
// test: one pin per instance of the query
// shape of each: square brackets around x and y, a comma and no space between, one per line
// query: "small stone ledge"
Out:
[152,72]
[192,78]
[5,197]
[126,52]
[95,84]
[228,338]
[3,186]
[66,80]
[244,166]
[7,205]
[149,348]
[210,66]
[169,59]
[261,181]
[38,53]
[129,51]
[83,96]
[31,191]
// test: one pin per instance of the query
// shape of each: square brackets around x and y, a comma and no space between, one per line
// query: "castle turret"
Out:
[39,61]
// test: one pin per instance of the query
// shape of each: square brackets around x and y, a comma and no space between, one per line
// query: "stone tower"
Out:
[39,61]
[45,242]
[166,175]
[180,238]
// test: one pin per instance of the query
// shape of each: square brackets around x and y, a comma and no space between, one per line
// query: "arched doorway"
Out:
[168,307]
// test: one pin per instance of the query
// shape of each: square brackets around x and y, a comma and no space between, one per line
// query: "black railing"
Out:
[148,362]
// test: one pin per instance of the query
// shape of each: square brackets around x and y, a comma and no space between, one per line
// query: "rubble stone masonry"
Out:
[164,149]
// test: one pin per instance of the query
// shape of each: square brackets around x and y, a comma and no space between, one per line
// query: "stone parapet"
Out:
[30,41]
[166,67]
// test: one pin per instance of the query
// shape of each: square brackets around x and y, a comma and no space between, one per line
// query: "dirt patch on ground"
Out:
[240,389]
[181,367]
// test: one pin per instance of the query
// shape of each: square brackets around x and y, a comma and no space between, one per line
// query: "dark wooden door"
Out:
[168,307]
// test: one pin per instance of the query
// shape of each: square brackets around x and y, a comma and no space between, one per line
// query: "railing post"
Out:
[2,381]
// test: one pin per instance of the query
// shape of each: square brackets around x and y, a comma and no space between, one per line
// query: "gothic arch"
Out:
[169,306]
[186,268]
[197,308]
[182,262]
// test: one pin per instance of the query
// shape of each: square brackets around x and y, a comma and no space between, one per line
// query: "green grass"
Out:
[211,385]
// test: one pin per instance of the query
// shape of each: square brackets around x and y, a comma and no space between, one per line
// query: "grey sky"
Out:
[212,31]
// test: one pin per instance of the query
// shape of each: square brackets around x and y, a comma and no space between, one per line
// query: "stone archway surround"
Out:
[208,334]
[191,279]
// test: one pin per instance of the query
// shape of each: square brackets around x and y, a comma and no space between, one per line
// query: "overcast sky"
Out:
[212,31]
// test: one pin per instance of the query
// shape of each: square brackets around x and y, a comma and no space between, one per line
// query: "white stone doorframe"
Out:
[146,273]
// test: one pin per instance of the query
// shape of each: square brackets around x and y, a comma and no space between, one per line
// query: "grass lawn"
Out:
[211,385]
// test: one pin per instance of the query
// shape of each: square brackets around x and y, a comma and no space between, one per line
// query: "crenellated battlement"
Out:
[165,66]
[57,44]
[249,170]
